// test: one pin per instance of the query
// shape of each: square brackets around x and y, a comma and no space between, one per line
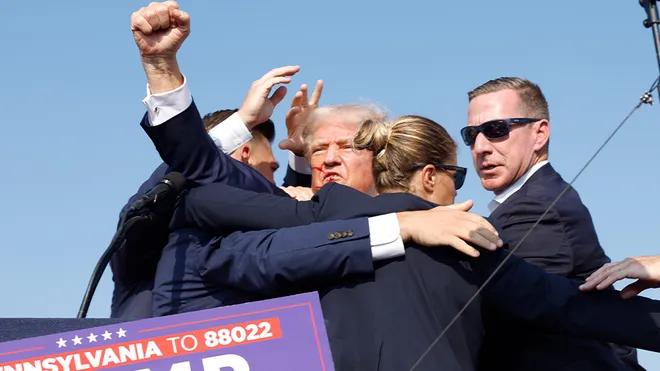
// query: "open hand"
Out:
[449,226]
[259,105]
[297,116]
[646,269]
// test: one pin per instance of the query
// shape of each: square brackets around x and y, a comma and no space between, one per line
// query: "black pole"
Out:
[116,242]
[651,22]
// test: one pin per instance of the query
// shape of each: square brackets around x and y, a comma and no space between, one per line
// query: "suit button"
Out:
[350,234]
[331,236]
[344,234]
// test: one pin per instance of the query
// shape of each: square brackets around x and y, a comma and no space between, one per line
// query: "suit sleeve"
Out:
[185,146]
[298,172]
[220,207]
[547,246]
[555,304]
[274,262]
[295,179]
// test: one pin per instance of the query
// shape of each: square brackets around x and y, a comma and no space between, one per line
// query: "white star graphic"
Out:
[107,335]
[77,340]
[121,333]
[61,343]
[92,338]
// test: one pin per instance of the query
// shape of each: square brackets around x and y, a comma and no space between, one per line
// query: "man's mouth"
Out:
[330,177]
[487,167]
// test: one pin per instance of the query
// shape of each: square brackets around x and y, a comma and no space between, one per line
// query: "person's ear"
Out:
[542,132]
[245,153]
[429,178]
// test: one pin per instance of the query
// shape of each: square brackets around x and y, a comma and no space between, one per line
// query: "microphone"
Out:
[164,195]
[170,186]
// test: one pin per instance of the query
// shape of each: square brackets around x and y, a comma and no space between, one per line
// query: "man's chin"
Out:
[492,184]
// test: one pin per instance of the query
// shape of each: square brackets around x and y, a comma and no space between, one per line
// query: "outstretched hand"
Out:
[646,269]
[259,104]
[449,226]
[296,117]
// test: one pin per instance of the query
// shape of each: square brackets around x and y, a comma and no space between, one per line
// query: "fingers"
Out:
[278,95]
[599,272]
[316,95]
[170,4]
[478,236]
[162,14]
[606,276]
[158,16]
[272,78]
[463,206]
[634,289]
[279,72]
[286,144]
[463,247]
[304,102]
[139,23]
[299,193]
[179,18]
[291,114]
[480,221]
[489,237]
[297,99]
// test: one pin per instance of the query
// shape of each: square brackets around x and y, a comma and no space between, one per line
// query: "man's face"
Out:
[501,162]
[261,157]
[333,159]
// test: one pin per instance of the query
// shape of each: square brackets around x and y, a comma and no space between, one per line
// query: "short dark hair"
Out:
[266,128]
[212,119]
[531,97]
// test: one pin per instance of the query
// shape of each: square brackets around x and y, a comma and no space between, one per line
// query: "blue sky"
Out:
[72,150]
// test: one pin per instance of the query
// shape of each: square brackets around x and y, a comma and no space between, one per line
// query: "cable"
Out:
[646,98]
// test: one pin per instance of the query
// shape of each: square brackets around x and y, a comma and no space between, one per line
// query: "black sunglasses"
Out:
[459,177]
[494,129]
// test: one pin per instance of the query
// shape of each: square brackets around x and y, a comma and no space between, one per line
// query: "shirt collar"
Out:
[513,188]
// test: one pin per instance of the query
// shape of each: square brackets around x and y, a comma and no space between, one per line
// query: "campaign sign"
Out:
[286,334]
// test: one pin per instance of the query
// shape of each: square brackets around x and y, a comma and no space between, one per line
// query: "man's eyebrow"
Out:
[319,143]
[346,140]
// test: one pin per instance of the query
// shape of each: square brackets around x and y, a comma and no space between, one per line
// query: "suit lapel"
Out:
[543,173]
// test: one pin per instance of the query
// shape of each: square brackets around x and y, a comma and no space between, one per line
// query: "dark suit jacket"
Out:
[564,243]
[387,321]
[184,144]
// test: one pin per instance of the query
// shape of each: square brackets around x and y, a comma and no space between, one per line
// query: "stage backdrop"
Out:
[279,334]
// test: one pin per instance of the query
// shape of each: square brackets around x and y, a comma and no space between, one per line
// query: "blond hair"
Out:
[349,113]
[400,144]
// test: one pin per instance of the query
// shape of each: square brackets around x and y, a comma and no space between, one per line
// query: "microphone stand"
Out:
[117,240]
[651,22]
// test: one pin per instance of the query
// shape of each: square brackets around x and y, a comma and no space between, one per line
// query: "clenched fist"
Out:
[160,29]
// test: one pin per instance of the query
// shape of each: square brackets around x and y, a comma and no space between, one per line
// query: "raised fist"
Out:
[160,29]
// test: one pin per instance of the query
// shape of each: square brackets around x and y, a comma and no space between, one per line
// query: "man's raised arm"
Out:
[172,120]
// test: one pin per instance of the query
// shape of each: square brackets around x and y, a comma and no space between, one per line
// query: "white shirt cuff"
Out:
[230,134]
[299,164]
[385,235]
[164,106]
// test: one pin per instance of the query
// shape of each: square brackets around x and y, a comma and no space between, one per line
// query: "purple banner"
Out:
[280,334]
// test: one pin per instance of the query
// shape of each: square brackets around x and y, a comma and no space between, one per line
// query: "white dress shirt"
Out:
[515,187]
[384,230]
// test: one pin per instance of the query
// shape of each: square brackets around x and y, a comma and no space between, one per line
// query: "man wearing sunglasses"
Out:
[508,134]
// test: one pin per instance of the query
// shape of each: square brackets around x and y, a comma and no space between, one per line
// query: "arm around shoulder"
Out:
[276,261]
